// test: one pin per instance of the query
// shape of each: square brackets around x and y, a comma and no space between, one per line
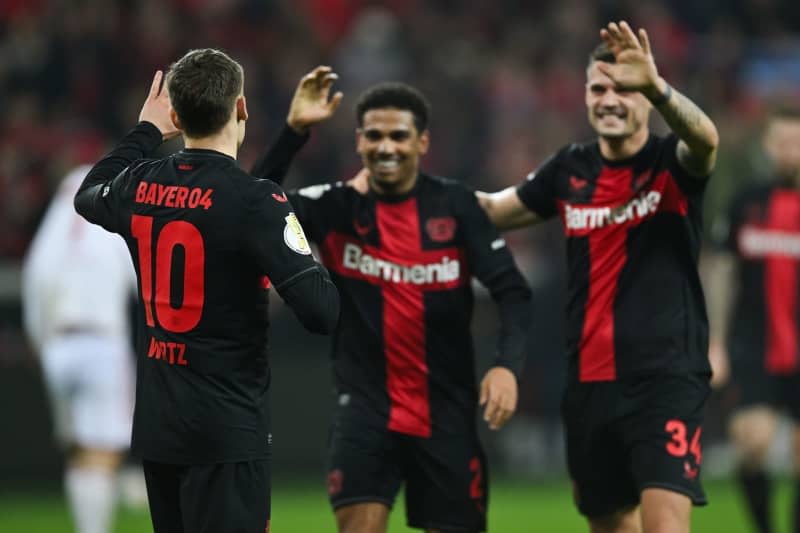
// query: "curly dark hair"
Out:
[394,95]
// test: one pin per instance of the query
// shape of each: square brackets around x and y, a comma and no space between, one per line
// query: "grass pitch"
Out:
[516,507]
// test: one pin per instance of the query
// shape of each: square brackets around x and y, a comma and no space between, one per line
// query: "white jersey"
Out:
[76,275]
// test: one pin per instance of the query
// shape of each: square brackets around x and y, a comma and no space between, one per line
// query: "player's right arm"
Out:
[635,69]
[506,210]
[528,203]
[94,200]
[311,105]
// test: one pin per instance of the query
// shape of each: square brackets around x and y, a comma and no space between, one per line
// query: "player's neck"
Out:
[394,189]
[226,141]
[789,178]
[615,149]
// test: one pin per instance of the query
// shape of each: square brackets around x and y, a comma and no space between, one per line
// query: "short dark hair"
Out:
[203,86]
[395,95]
[602,53]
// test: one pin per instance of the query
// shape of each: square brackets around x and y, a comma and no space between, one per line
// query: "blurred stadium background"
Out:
[506,82]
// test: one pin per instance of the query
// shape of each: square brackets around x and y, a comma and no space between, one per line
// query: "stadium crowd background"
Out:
[505,79]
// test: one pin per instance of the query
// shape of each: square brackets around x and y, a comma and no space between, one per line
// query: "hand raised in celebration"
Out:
[310,103]
[635,69]
[156,108]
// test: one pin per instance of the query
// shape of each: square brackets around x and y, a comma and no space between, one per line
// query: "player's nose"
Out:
[386,146]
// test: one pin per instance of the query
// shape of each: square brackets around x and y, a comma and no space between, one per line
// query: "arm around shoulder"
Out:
[506,210]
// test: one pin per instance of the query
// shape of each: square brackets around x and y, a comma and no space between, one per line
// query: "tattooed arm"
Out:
[697,149]
[635,69]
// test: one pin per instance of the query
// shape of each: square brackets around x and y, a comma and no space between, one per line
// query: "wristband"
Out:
[663,98]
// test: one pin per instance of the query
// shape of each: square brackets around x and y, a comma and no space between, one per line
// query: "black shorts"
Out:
[624,437]
[445,475]
[752,385]
[215,498]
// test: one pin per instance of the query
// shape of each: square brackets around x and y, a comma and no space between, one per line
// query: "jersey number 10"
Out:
[176,233]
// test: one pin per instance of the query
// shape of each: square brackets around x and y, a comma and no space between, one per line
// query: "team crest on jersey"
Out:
[441,229]
[294,237]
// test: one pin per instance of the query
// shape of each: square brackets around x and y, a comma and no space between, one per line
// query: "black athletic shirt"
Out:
[635,304]
[403,264]
[203,234]
[764,235]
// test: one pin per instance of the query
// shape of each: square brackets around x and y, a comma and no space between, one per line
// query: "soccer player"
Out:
[77,284]
[637,334]
[753,310]
[206,239]
[403,257]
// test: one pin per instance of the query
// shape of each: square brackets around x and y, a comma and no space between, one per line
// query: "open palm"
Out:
[311,103]
[635,67]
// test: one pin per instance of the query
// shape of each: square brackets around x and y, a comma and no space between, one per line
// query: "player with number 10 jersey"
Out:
[206,240]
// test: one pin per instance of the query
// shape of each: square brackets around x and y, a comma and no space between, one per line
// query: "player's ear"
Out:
[424,142]
[241,108]
[173,115]
[359,138]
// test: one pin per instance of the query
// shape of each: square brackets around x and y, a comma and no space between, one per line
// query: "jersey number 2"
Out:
[176,233]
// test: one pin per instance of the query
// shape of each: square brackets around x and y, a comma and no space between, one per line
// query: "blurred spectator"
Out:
[501,74]
[77,283]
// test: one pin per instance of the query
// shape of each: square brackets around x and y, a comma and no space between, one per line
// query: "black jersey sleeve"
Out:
[491,262]
[538,191]
[307,202]
[276,240]
[314,299]
[98,198]
[689,184]
[274,164]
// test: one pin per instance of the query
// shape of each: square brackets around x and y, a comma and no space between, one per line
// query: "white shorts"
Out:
[90,382]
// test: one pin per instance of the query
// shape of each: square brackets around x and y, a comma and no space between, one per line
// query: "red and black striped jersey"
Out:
[403,264]
[633,227]
[763,232]
[203,234]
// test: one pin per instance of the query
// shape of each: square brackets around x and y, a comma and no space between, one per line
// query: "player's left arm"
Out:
[491,262]
[635,69]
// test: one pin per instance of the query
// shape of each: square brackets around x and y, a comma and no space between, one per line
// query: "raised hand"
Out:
[311,103]
[635,69]
[156,108]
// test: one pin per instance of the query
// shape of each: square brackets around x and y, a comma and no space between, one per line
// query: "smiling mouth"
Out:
[387,165]
[619,115]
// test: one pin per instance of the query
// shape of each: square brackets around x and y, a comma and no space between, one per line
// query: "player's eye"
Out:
[373,135]
[399,136]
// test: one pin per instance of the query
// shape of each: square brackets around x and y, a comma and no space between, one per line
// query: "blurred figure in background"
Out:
[78,282]
[753,290]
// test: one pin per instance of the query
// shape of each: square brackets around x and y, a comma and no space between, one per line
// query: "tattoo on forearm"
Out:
[685,114]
